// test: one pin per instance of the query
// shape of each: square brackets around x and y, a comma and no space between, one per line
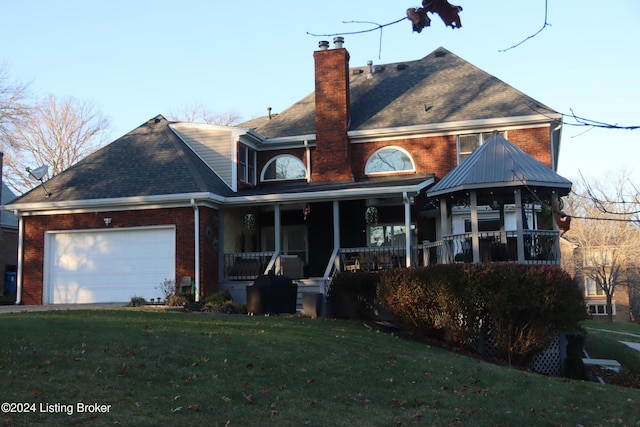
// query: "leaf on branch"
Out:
[418,18]
[447,11]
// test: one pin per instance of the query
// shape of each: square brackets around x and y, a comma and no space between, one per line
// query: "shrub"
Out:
[521,307]
[167,288]
[136,302]
[177,300]
[353,294]
[218,297]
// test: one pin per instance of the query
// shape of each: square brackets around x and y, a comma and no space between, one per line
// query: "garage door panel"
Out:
[109,266]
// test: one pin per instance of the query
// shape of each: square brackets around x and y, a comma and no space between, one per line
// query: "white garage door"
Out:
[108,265]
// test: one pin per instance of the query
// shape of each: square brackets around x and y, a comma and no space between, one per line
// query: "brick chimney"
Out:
[331,159]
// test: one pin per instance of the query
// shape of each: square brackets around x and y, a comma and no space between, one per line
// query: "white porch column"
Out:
[519,226]
[277,239]
[336,224]
[445,229]
[475,236]
[407,229]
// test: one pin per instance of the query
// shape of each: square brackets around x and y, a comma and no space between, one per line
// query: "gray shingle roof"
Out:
[7,218]
[497,164]
[439,88]
[150,160]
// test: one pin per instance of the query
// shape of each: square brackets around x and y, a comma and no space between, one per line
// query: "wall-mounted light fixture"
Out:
[107,221]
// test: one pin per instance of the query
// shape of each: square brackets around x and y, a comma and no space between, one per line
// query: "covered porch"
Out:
[493,207]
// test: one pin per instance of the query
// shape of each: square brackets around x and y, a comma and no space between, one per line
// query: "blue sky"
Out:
[136,59]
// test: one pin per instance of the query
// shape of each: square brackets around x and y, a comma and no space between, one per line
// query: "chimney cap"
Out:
[338,41]
[323,45]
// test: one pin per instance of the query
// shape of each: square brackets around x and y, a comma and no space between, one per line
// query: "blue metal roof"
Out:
[498,163]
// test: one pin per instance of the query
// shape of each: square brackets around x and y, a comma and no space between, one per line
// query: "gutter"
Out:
[196,238]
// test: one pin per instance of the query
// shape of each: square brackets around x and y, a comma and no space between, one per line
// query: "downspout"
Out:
[20,258]
[196,238]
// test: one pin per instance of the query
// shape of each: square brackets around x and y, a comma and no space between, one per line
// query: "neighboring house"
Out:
[340,180]
[625,304]
[8,239]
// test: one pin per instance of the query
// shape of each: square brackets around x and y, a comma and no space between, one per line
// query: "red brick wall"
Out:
[182,218]
[438,154]
[536,142]
[332,154]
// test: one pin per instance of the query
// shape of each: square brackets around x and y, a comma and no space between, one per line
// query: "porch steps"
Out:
[613,365]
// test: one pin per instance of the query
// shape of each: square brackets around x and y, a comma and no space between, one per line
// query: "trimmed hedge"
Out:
[522,306]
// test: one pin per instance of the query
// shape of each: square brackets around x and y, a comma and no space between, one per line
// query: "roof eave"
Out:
[342,194]
[457,126]
[492,185]
[113,204]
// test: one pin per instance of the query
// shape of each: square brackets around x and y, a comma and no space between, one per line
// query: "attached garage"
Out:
[92,266]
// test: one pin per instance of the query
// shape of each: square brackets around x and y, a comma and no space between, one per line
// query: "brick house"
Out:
[338,181]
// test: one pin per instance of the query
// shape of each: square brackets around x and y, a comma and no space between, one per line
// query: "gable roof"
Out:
[439,88]
[148,161]
[497,164]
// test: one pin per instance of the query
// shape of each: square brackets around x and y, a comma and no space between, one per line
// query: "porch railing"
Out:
[249,265]
[539,246]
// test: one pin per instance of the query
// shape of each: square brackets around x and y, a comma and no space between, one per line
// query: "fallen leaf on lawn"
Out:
[249,365]
[37,392]
[400,403]
[226,399]
[178,409]
[249,398]
[194,408]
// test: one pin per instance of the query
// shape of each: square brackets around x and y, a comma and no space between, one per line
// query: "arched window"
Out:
[284,167]
[389,160]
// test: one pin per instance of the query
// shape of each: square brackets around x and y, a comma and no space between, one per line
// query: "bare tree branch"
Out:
[544,25]
[57,133]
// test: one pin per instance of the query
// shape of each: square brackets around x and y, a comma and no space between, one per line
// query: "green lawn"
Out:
[603,342]
[171,368]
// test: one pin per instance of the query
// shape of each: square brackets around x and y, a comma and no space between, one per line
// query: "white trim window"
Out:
[284,167]
[592,289]
[389,235]
[247,162]
[389,160]
[599,308]
[466,144]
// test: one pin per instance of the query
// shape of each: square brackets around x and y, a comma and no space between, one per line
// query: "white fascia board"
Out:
[343,194]
[537,120]
[116,204]
[288,141]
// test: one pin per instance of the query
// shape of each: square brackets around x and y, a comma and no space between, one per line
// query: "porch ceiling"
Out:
[342,190]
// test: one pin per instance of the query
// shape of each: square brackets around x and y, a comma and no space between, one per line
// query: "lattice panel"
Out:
[549,361]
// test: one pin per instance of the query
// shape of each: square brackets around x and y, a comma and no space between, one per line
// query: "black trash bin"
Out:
[271,294]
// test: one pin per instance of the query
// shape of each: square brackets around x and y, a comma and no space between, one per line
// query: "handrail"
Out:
[273,264]
[333,267]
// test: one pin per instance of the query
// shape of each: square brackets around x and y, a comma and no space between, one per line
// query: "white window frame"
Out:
[482,137]
[391,226]
[592,289]
[599,308]
[386,172]
[248,166]
[275,159]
